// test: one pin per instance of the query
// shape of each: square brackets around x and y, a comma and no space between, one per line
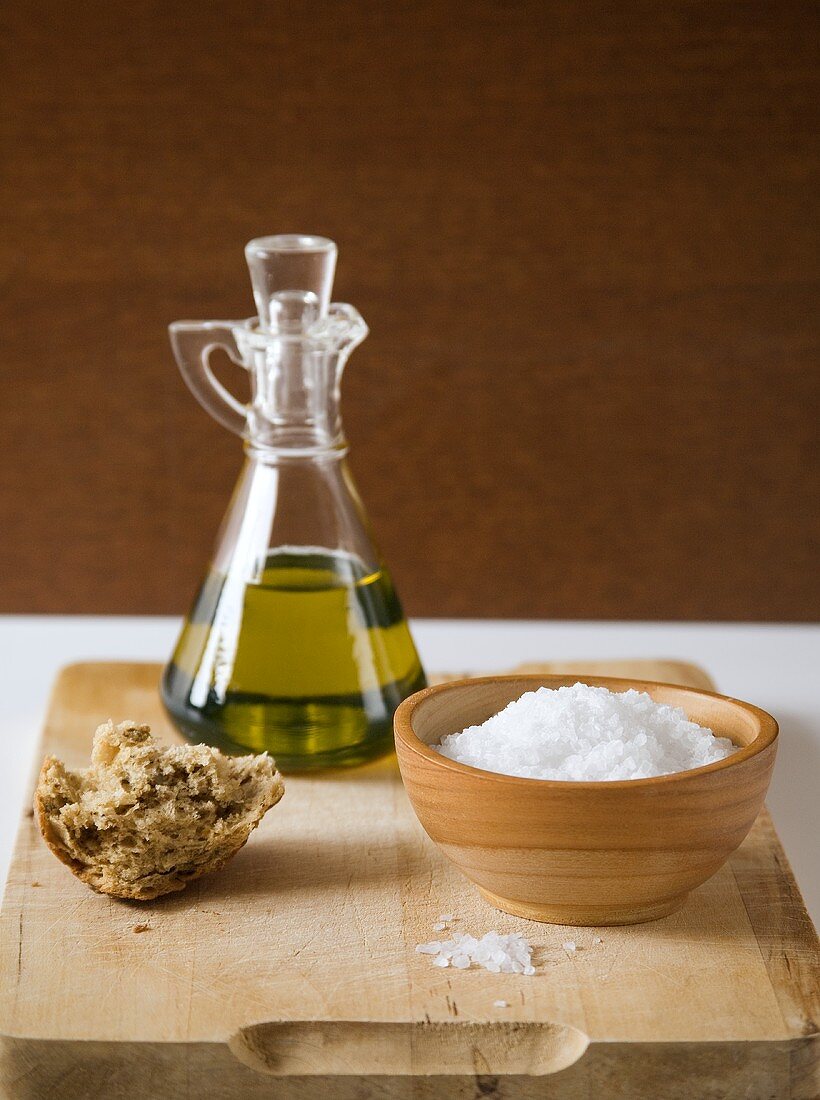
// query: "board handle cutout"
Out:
[303,1048]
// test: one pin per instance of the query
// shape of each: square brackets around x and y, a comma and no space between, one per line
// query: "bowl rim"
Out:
[404,732]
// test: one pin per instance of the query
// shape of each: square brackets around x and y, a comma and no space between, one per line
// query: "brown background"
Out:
[582,235]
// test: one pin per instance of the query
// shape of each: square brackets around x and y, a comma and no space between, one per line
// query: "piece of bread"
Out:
[145,820]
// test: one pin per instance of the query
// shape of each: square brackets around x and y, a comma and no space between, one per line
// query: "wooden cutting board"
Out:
[292,973]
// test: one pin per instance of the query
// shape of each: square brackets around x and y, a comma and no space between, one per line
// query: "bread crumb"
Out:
[144,820]
[143,927]
[36,884]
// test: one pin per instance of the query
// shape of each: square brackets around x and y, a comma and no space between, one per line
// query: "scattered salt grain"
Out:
[570,946]
[439,927]
[586,733]
[446,917]
[496,953]
[597,939]
[500,1004]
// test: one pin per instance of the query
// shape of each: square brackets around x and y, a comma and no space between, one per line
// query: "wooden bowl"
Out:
[589,853]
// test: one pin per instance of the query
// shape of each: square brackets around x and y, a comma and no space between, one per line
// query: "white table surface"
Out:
[776,667]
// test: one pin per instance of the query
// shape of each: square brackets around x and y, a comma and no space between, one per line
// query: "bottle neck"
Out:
[295,408]
[278,454]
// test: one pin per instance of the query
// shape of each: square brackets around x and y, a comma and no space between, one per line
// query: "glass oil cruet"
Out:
[296,641]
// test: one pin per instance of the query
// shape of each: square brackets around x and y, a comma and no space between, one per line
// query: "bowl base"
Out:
[590,916]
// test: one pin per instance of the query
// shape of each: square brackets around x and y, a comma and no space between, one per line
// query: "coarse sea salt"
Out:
[586,733]
[496,953]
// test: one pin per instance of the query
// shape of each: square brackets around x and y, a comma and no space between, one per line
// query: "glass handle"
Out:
[192,343]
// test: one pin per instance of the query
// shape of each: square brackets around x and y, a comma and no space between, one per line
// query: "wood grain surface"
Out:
[584,238]
[292,973]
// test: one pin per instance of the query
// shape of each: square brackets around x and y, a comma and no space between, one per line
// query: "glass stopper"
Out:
[292,278]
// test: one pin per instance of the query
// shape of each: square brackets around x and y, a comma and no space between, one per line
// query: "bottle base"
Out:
[301,735]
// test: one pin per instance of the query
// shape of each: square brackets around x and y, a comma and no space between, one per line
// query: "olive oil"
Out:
[309,661]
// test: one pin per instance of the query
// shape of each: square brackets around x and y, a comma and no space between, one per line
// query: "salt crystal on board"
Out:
[499,954]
